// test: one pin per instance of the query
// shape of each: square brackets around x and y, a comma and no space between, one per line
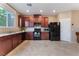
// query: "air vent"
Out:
[29,4]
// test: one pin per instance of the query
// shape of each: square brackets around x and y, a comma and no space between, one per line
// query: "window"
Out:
[10,19]
[2,17]
[6,18]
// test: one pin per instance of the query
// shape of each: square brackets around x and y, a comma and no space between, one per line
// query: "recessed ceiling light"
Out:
[41,10]
[27,10]
[54,11]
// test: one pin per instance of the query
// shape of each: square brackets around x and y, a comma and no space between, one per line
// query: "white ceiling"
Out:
[46,7]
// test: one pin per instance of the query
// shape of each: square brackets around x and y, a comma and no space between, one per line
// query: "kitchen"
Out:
[39,22]
[35,27]
[26,22]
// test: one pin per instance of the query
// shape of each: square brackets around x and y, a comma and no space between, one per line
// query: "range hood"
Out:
[36,17]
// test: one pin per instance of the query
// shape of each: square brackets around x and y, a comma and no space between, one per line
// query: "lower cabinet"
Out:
[16,39]
[7,43]
[44,35]
[8,47]
[29,35]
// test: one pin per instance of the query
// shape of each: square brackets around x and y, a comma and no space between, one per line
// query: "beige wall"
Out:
[75,26]
[64,15]
[52,19]
[16,19]
[74,16]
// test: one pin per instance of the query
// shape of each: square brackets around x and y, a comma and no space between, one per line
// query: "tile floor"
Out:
[45,48]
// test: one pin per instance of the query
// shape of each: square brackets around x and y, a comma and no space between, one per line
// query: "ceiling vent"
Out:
[36,15]
[29,4]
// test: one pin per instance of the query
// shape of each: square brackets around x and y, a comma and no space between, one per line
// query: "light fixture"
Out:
[27,10]
[54,11]
[41,11]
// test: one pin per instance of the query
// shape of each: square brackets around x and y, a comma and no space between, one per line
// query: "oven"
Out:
[37,34]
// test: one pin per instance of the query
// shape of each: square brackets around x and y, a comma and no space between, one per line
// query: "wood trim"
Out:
[77,33]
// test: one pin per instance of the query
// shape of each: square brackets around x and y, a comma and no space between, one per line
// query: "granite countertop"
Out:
[10,33]
[31,29]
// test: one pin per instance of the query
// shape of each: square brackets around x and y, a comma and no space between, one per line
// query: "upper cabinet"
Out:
[45,21]
[41,20]
[21,21]
[28,21]
[31,21]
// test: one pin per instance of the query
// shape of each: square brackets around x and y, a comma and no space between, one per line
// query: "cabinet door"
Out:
[29,35]
[21,21]
[45,22]
[5,45]
[15,42]
[44,35]
[16,39]
[31,23]
[41,18]
[19,37]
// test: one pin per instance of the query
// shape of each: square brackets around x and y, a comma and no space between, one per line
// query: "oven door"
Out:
[36,34]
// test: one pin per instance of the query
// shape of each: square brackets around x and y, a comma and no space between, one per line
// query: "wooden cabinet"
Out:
[21,21]
[23,36]
[16,40]
[44,35]
[30,19]
[45,21]
[29,35]
[41,19]
[7,43]
[77,35]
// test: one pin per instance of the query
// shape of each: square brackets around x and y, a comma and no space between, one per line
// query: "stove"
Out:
[37,34]
[37,31]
